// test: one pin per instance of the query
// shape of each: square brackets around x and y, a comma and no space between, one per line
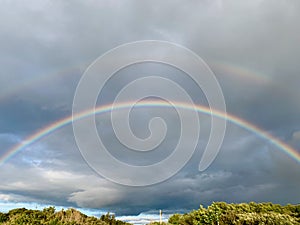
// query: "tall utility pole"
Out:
[160,215]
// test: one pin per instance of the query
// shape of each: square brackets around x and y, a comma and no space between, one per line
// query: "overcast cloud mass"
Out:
[251,46]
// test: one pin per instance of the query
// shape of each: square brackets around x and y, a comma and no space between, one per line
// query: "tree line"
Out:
[49,216]
[221,213]
[218,213]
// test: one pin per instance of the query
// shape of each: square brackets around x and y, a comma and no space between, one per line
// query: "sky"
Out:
[251,47]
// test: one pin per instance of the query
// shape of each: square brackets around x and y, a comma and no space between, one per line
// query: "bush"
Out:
[240,214]
[48,216]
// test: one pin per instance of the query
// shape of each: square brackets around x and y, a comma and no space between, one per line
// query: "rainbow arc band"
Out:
[228,68]
[285,148]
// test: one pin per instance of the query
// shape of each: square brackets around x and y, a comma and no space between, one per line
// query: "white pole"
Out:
[160,213]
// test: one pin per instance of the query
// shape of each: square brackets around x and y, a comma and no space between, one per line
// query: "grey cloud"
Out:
[55,43]
[233,179]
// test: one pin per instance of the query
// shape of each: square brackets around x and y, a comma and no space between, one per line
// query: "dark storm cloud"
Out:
[24,116]
[41,39]
[62,177]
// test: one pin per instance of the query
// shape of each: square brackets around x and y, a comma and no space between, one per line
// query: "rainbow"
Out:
[35,80]
[237,71]
[225,68]
[285,148]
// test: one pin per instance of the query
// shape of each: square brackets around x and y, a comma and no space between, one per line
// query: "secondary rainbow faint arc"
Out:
[219,65]
[151,103]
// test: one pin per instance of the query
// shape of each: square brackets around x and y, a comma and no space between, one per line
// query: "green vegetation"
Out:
[240,214]
[218,213]
[49,217]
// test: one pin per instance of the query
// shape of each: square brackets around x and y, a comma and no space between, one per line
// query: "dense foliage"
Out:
[218,213]
[240,214]
[49,217]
